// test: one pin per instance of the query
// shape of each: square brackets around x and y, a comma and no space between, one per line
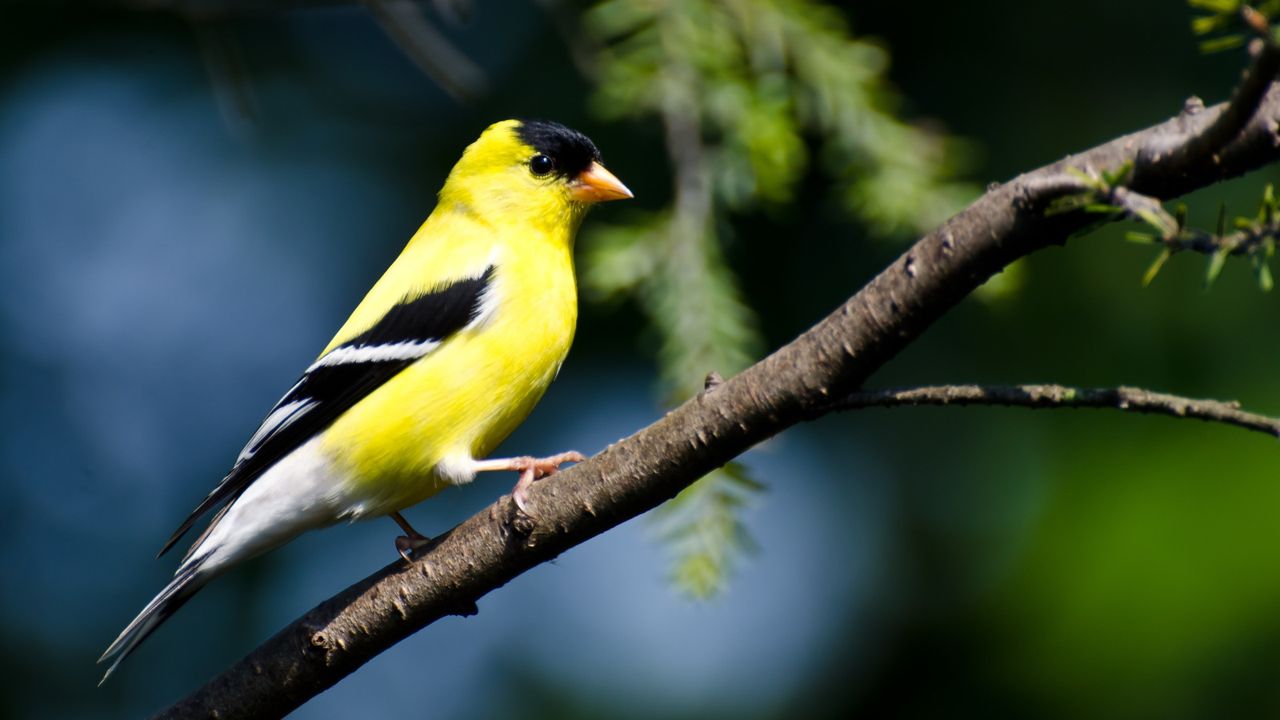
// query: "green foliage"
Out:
[704,527]
[687,291]
[1237,20]
[1097,194]
[1253,237]
[1106,194]
[753,95]
[1214,268]
[1156,266]
[764,75]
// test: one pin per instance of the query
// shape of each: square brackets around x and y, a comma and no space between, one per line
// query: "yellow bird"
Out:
[445,356]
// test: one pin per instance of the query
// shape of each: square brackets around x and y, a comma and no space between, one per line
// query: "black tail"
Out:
[185,583]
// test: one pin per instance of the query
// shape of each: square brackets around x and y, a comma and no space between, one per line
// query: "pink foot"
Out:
[532,469]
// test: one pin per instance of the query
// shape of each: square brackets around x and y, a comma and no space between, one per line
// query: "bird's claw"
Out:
[411,541]
[408,546]
[532,469]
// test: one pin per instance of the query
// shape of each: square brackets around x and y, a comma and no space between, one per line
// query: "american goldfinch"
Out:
[444,357]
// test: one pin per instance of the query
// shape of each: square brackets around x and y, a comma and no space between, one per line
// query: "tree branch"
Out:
[794,384]
[1129,399]
[1173,155]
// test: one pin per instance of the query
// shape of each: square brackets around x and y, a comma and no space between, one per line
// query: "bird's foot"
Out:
[530,469]
[412,541]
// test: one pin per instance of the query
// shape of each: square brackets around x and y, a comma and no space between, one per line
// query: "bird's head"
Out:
[531,172]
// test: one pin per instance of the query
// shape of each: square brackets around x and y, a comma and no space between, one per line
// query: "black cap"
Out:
[572,151]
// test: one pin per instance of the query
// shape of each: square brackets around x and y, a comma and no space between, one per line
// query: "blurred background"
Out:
[194,194]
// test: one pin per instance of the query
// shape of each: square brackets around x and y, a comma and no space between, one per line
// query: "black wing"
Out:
[345,375]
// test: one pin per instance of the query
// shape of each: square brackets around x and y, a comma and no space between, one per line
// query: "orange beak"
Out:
[595,184]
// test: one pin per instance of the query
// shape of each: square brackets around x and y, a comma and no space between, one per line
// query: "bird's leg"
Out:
[412,540]
[530,469]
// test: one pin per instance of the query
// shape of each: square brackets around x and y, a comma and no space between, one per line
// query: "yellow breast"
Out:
[466,396]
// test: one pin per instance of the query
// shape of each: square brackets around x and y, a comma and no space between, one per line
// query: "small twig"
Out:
[1253,238]
[1130,399]
[1144,208]
[1241,242]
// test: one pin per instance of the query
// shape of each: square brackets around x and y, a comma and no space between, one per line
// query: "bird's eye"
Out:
[541,164]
